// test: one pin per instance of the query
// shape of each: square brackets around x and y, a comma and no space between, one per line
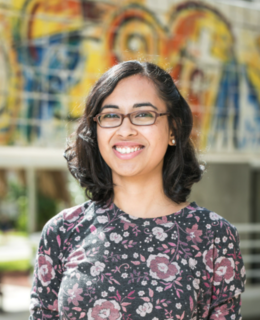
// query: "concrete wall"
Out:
[256,197]
[227,190]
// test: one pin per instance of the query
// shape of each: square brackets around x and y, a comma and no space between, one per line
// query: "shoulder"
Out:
[68,216]
[210,220]
[211,227]
[219,235]
[73,214]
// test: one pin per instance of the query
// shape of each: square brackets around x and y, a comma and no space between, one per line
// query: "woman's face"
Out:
[152,141]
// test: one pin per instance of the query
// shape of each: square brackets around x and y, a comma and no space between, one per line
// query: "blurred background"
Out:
[53,51]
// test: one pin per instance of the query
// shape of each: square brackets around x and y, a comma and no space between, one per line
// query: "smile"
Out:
[127,150]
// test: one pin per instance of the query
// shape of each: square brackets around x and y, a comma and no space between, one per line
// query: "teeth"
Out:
[127,150]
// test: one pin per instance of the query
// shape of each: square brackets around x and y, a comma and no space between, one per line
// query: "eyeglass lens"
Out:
[142,118]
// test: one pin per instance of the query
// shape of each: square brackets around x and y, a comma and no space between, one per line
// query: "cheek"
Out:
[158,136]
[103,138]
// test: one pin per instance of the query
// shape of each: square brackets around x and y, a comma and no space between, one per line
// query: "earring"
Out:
[173,141]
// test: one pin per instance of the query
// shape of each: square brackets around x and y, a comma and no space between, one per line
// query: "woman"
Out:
[137,249]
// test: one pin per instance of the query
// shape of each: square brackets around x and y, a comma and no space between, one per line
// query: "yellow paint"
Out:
[250,57]
[10,83]
[205,29]
[145,38]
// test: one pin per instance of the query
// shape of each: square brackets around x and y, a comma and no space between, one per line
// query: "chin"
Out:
[126,173]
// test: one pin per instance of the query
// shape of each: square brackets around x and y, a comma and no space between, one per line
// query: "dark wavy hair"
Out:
[180,169]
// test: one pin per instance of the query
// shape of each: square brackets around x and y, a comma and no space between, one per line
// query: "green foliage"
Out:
[46,209]
[15,204]
[15,214]
[21,222]
[17,195]
[77,193]
[21,265]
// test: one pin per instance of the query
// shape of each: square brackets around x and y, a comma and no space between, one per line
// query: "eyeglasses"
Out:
[137,118]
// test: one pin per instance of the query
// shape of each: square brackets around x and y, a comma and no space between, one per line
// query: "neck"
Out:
[143,196]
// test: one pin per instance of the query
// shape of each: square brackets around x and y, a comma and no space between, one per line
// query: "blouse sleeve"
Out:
[47,273]
[229,275]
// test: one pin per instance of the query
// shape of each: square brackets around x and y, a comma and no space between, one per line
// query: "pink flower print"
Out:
[93,229]
[101,236]
[206,309]
[54,307]
[45,270]
[75,258]
[224,269]
[97,268]
[104,309]
[74,295]
[133,217]
[220,313]
[214,216]
[237,292]
[192,263]
[127,223]
[243,271]
[34,303]
[194,234]
[159,233]
[196,283]
[144,309]
[190,208]
[164,221]
[102,219]
[115,237]
[72,213]
[209,256]
[161,267]
[102,210]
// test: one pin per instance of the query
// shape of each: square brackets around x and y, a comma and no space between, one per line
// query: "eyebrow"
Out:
[144,104]
[136,105]
[109,106]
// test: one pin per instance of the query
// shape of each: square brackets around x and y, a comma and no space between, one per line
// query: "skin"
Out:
[139,183]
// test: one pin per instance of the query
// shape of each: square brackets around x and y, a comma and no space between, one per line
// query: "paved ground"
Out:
[16,301]
[14,316]
[16,285]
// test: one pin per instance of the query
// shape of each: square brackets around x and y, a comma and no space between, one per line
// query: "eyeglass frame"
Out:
[123,116]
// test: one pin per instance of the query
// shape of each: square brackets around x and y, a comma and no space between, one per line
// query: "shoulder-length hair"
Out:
[180,169]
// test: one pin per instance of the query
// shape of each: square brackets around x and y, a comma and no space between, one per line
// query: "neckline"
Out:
[191,204]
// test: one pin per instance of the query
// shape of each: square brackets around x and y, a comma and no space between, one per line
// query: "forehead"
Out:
[134,89]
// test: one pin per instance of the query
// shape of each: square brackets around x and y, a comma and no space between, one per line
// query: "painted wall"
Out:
[52,52]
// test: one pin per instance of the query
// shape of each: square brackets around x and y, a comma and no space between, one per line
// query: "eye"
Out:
[144,114]
[110,116]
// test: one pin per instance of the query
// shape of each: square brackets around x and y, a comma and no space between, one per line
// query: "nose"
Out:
[127,128]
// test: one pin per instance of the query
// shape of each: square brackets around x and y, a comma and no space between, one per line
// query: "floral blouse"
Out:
[100,263]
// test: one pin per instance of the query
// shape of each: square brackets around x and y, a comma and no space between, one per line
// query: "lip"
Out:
[127,144]
[127,156]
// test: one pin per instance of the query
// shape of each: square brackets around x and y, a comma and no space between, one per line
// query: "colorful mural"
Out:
[52,52]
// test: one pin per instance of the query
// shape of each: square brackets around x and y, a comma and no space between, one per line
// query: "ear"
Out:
[172,141]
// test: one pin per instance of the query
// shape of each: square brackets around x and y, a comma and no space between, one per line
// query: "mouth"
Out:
[127,150]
